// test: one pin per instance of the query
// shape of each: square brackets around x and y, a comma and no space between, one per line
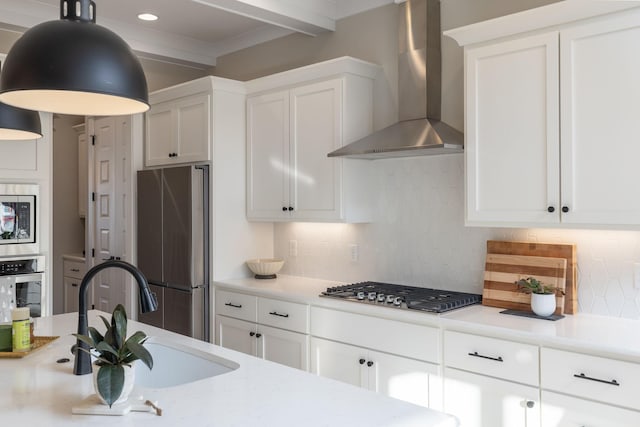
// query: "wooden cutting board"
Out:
[552,250]
[502,271]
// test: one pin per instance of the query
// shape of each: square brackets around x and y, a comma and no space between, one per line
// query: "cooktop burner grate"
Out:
[399,296]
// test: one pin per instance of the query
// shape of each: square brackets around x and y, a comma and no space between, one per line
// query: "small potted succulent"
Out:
[113,372]
[543,297]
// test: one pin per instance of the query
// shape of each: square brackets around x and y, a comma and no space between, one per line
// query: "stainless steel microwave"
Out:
[18,219]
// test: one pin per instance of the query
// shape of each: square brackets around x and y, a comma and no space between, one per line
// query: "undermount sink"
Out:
[175,365]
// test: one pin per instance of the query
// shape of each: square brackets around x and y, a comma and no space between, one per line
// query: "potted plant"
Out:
[543,297]
[113,372]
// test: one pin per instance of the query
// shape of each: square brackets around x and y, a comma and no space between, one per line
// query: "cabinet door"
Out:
[316,130]
[600,109]
[284,347]
[339,361]
[161,134]
[512,132]
[480,401]
[559,410]
[71,294]
[236,334]
[401,378]
[193,132]
[268,167]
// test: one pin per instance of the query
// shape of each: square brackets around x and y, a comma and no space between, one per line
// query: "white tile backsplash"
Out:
[418,238]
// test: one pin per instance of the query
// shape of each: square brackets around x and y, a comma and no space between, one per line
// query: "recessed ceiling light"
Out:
[147,17]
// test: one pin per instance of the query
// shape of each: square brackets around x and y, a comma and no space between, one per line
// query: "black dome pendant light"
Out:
[19,124]
[74,66]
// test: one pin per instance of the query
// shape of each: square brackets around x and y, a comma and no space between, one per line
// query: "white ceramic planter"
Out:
[129,377]
[543,304]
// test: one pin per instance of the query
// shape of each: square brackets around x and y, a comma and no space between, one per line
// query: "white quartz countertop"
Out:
[74,257]
[599,335]
[36,390]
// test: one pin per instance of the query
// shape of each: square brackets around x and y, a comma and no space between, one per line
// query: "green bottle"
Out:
[21,329]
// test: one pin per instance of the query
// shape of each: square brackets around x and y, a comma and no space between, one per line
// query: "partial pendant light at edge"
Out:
[18,123]
[74,66]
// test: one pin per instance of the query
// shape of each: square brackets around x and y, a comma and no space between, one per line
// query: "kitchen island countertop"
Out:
[36,390]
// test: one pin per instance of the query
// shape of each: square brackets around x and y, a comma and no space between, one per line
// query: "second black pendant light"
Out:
[74,66]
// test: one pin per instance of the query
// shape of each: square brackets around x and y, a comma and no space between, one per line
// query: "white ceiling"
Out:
[197,31]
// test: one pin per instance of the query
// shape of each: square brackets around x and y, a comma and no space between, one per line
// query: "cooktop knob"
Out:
[371,296]
[360,295]
[397,301]
[381,297]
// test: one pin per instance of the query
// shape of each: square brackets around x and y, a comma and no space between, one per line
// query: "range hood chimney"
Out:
[419,131]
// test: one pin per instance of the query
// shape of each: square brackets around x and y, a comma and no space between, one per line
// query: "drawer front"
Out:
[598,378]
[239,306]
[74,269]
[391,336]
[283,314]
[559,410]
[490,356]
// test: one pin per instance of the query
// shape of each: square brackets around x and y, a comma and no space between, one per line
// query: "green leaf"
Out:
[110,382]
[95,335]
[139,352]
[86,340]
[105,321]
[103,347]
[119,321]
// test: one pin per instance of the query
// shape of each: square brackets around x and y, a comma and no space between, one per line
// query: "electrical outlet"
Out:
[636,275]
[355,252]
[293,248]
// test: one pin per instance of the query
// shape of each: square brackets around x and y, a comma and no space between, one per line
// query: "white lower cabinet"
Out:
[588,391]
[490,382]
[404,365]
[74,271]
[270,329]
[559,410]
[395,376]
[277,345]
[481,401]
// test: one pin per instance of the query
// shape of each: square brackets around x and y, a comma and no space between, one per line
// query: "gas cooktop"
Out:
[406,297]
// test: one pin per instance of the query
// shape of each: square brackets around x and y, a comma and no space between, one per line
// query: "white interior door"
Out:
[112,177]
[104,184]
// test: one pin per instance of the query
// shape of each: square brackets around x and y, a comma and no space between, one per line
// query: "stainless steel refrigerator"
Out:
[173,246]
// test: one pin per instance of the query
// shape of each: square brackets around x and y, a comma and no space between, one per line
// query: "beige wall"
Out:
[68,227]
[371,36]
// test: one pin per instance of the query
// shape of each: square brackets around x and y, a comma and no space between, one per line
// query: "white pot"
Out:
[129,377]
[543,304]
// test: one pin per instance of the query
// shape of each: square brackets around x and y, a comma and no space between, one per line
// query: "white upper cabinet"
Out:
[179,124]
[600,107]
[294,119]
[512,132]
[551,117]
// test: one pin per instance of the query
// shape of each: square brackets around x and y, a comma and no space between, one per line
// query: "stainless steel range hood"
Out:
[420,131]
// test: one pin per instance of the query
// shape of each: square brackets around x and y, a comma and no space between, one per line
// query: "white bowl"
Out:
[265,268]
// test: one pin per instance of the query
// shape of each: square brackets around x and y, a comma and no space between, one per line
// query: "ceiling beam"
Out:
[311,17]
